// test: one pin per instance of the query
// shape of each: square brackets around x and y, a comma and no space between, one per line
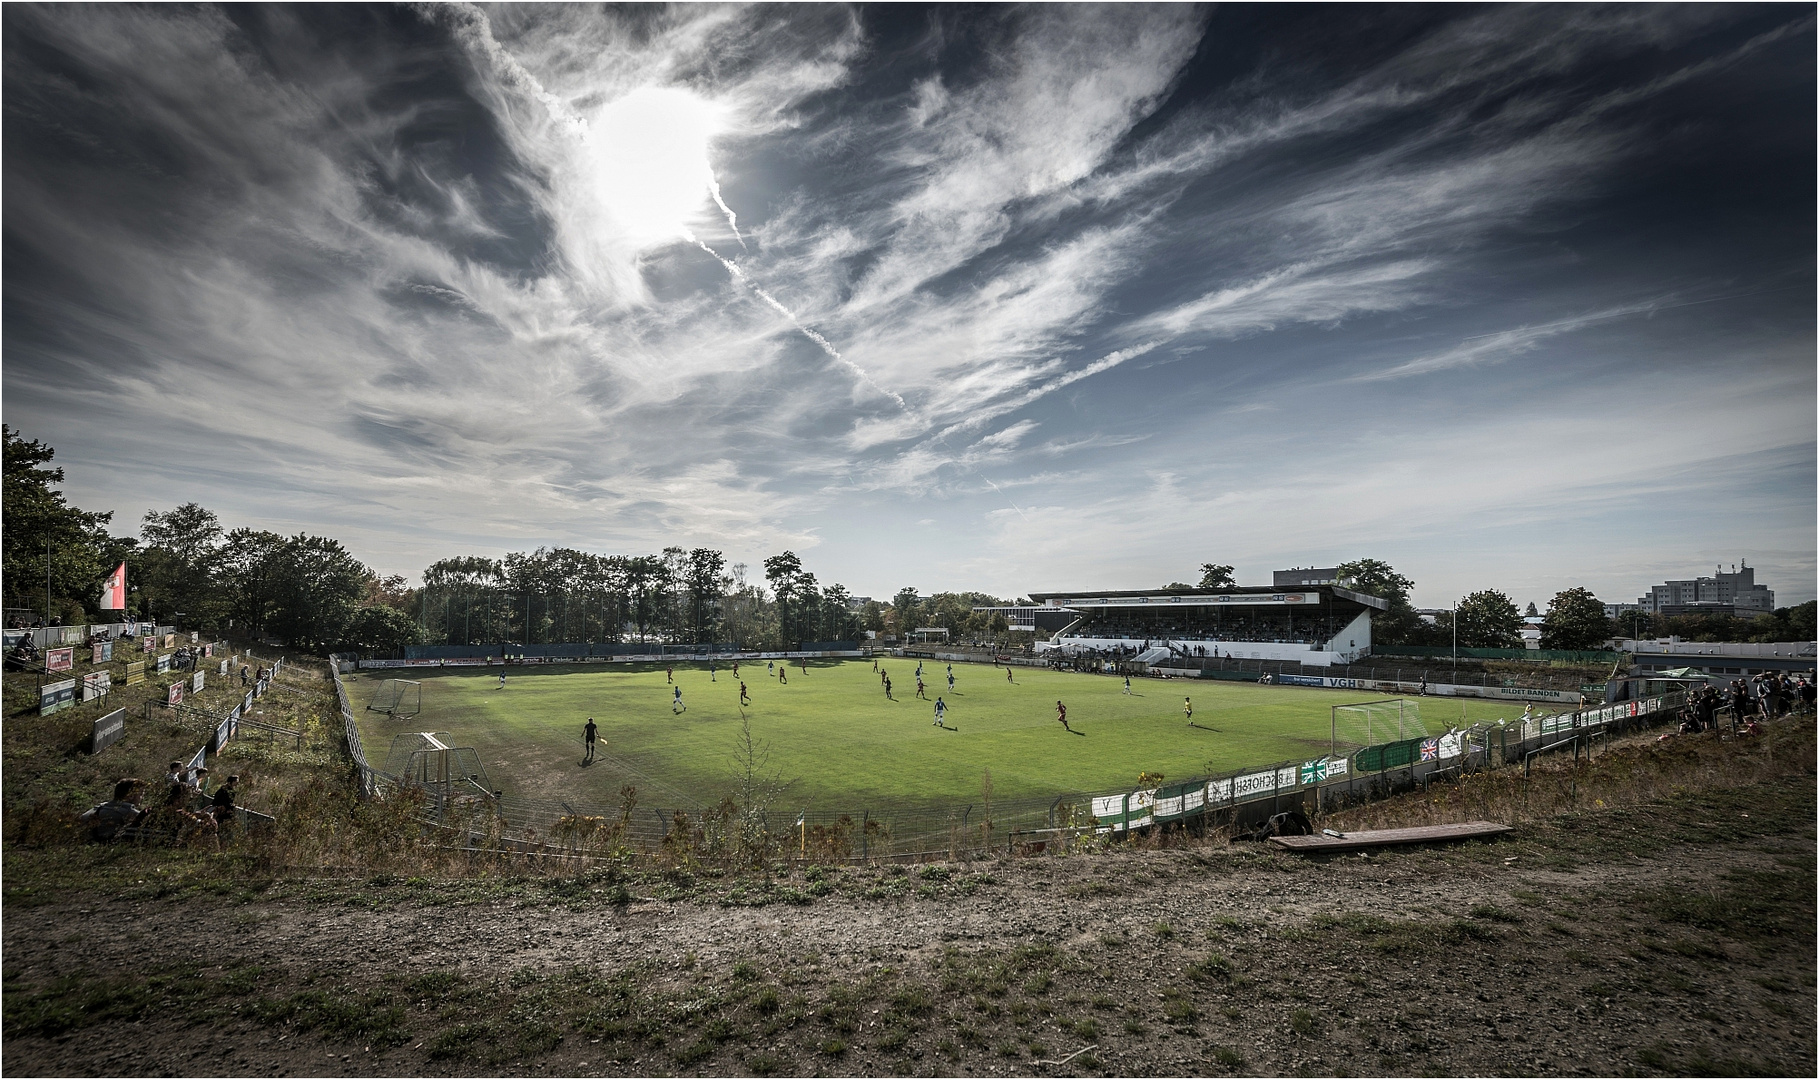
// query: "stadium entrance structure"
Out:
[1316,626]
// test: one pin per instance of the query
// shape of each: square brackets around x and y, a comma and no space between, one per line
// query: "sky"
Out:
[1001,298]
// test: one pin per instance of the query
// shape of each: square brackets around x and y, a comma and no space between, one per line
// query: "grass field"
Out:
[846,746]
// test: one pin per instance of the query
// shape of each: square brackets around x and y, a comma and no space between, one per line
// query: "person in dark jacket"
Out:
[224,800]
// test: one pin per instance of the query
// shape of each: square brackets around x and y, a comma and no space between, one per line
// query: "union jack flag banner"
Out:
[1430,750]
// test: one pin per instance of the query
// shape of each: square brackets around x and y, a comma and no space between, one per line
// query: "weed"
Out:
[1213,967]
[1228,1057]
[1163,931]
[1302,1023]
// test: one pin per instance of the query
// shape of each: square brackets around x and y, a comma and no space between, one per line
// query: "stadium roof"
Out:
[1256,595]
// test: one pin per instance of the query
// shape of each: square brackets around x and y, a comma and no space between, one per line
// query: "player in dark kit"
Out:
[745,698]
[588,733]
[1061,715]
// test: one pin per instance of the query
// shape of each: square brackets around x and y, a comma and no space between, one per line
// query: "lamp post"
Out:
[1455,641]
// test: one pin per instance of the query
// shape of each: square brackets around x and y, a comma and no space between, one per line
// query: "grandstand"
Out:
[1317,626]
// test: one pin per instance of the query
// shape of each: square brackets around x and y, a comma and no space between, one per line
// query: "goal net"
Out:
[398,697]
[1370,723]
[431,760]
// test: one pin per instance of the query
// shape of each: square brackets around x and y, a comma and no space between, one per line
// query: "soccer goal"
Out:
[398,697]
[428,759]
[1368,723]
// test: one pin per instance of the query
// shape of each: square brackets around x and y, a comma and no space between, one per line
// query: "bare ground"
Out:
[1672,938]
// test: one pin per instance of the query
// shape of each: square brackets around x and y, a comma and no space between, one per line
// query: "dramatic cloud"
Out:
[1007,298]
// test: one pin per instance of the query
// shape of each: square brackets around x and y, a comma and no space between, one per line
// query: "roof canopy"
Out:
[1257,596]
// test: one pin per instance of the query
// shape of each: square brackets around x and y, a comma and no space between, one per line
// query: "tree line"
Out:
[677,596]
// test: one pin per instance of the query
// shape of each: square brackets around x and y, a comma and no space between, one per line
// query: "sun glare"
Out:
[650,161]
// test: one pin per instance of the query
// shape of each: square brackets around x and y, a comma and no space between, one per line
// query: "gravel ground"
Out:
[1547,953]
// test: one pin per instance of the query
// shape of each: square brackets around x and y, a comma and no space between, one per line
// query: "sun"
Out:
[650,161]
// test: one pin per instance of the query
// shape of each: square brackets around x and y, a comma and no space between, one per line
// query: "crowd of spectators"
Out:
[188,813]
[1311,631]
[1758,697]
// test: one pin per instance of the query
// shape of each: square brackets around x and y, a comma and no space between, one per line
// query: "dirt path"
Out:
[1539,955]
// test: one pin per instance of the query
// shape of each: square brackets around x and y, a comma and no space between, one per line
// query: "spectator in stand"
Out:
[1740,701]
[104,821]
[244,674]
[177,816]
[224,800]
[175,774]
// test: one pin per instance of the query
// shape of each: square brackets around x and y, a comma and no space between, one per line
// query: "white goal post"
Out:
[398,698]
[1368,723]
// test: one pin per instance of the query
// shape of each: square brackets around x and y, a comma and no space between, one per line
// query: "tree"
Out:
[706,580]
[1373,577]
[1575,620]
[1489,620]
[40,525]
[908,611]
[249,566]
[381,628]
[782,571]
[179,568]
[1785,624]
[1215,576]
[317,585]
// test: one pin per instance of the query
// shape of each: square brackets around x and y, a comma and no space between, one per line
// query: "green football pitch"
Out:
[845,745]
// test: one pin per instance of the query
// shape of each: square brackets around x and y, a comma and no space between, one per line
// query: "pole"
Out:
[1455,643]
[47,581]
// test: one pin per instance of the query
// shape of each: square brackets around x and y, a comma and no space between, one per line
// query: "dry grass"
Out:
[1639,771]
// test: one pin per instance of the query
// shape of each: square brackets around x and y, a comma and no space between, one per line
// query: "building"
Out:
[1035,618]
[1613,611]
[1314,625]
[1718,659]
[1736,591]
[1309,575]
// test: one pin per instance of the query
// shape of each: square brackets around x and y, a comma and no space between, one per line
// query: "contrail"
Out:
[1007,498]
[732,219]
[826,345]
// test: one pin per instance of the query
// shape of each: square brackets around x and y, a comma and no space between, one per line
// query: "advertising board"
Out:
[53,696]
[108,730]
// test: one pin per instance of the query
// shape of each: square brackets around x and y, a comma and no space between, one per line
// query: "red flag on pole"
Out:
[113,594]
